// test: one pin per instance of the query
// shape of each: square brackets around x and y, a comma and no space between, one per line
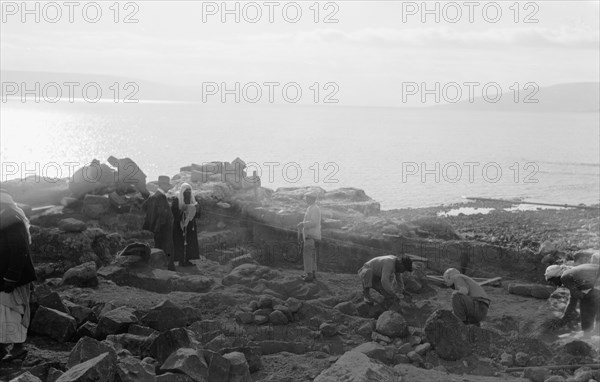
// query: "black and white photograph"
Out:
[296,191]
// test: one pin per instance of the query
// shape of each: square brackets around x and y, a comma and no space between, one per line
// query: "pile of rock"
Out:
[269,310]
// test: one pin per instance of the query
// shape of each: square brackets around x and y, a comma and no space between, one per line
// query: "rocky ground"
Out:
[238,316]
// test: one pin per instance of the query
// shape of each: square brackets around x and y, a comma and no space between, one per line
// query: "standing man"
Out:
[470,303]
[16,275]
[382,274]
[311,230]
[583,284]
[159,219]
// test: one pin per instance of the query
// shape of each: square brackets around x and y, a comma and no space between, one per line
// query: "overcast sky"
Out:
[369,52]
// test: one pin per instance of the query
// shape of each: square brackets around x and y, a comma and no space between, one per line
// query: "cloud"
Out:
[563,37]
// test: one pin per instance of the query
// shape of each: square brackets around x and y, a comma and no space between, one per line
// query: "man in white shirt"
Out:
[311,226]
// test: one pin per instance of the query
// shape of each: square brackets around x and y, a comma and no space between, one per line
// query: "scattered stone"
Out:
[447,335]
[507,360]
[131,369]
[414,340]
[165,316]
[415,358]
[116,321]
[294,304]
[369,311]
[140,330]
[168,342]
[536,374]
[381,338]
[88,329]
[72,225]
[583,374]
[81,314]
[88,348]
[277,317]
[186,361]
[531,290]
[54,324]
[53,301]
[244,317]
[366,329]
[83,275]
[272,347]
[392,324]
[521,359]
[347,308]
[405,348]
[555,378]
[263,312]
[423,349]
[578,348]
[239,370]
[260,320]
[265,302]
[401,358]
[355,366]
[252,354]
[95,206]
[26,377]
[218,367]
[373,350]
[98,369]
[53,374]
[138,345]
[173,377]
[327,329]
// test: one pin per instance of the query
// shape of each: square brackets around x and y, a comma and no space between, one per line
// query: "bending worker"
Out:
[384,274]
[470,303]
[582,282]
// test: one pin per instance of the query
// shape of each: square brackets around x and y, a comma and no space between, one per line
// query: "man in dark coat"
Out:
[159,219]
[16,274]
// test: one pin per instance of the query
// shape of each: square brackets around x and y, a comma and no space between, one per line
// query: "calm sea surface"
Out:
[400,157]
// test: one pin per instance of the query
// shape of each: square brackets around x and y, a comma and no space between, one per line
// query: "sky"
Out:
[367,51]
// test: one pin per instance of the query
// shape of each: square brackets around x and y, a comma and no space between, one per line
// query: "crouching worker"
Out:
[470,303]
[582,282]
[384,274]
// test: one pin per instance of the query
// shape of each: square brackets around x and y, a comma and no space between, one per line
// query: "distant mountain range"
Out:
[571,97]
[138,89]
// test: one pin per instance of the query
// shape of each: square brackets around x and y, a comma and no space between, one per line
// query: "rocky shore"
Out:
[243,314]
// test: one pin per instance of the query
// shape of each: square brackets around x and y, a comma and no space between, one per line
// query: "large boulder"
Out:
[168,342]
[448,335]
[531,290]
[83,275]
[357,367]
[53,301]
[99,369]
[88,348]
[218,367]
[72,225]
[165,316]
[187,361]
[116,321]
[239,370]
[26,377]
[54,324]
[392,324]
[131,369]
[138,345]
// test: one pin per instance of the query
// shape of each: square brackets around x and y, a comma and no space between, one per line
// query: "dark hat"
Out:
[165,181]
